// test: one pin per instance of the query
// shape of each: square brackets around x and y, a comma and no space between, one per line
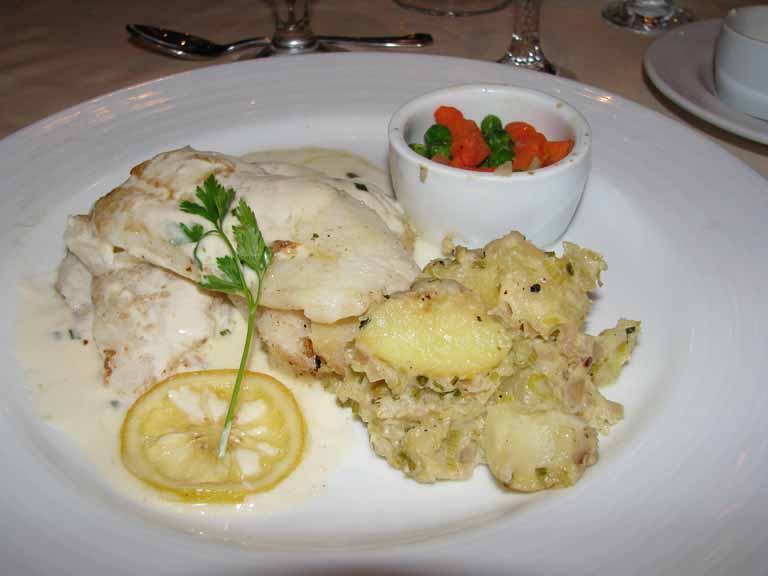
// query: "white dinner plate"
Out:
[679,63]
[681,483]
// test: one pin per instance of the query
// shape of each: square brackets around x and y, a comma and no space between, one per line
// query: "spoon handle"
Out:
[413,40]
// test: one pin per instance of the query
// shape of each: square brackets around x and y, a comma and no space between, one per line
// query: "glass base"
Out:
[536,64]
[622,15]
[454,7]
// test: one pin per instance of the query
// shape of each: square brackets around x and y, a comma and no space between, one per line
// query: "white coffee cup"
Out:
[741,60]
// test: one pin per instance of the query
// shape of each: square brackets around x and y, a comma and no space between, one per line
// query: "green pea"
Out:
[420,149]
[499,156]
[442,150]
[437,135]
[490,124]
[498,140]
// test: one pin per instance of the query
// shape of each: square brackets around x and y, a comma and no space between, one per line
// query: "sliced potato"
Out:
[614,347]
[437,329]
[538,450]
[526,285]
[472,269]
[170,436]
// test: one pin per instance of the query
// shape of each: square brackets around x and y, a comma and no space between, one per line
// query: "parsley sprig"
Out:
[249,250]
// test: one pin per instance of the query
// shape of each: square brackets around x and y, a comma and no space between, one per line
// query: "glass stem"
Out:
[293,32]
[525,48]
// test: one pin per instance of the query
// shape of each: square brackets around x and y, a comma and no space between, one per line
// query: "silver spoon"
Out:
[183,45]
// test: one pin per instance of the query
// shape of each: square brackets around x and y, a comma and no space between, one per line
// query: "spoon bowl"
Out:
[184,45]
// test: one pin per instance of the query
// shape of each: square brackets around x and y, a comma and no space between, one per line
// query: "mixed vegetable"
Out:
[461,143]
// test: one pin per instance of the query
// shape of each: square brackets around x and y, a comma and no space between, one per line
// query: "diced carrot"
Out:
[462,128]
[457,163]
[556,151]
[448,116]
[517,129]
[523,158]
[469,146]
[440,159]
[528,146]
[533,140]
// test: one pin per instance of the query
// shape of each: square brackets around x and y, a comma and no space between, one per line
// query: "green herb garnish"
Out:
[250,250]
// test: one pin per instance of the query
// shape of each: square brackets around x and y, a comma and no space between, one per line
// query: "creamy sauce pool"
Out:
[72,398]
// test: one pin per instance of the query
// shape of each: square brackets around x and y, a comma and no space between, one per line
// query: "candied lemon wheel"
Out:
[170,436]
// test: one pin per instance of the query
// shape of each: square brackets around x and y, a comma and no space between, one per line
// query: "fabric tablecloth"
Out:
[57,53]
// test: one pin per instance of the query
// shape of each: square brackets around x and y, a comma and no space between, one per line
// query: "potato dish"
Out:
[485,360]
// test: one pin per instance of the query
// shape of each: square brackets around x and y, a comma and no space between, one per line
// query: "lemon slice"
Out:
[170,436]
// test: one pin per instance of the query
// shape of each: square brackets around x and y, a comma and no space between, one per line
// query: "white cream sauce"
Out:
[73,399]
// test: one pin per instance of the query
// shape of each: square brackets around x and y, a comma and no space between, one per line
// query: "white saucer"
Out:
[679,63]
